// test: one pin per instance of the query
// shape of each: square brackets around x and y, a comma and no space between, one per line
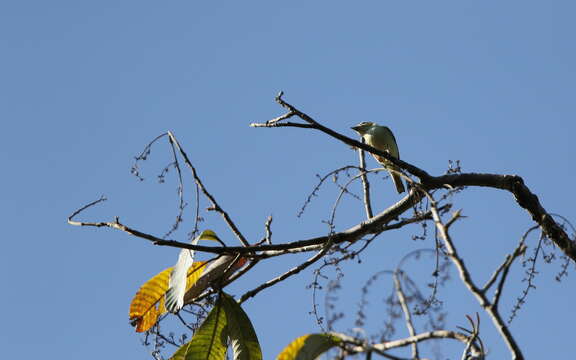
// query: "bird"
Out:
[381,138]
[177,283]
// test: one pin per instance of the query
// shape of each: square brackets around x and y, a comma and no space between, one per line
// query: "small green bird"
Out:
[381,138]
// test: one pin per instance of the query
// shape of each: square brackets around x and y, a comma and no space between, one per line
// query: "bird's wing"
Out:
[381,138]
[177,284]
[389,141]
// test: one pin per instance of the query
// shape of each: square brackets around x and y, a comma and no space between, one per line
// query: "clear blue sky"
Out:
[85,85]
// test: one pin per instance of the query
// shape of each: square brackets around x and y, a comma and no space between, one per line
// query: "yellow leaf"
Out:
[148,303]
[308,347]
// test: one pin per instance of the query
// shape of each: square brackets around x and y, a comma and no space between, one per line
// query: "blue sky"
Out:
[85,85]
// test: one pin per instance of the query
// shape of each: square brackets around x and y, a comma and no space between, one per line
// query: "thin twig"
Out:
[407,314]
[490,308]
[474,336]
[360,346]
[184,321]
[280,118]
[320,182]
[354,143]
[75,213]
[215,205]
[520,248]
[286,124]
[512,183]
[374,225]
[529,279]
[365,183]
[510,259]
[293,271]
[267,226]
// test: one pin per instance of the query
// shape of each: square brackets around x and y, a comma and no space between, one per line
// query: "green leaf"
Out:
[210,340]
[209,235]
[309,347]
[243,338]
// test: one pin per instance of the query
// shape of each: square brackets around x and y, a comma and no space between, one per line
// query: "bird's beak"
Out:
[355,128]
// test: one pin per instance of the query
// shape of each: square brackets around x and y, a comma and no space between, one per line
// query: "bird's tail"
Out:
[397,179]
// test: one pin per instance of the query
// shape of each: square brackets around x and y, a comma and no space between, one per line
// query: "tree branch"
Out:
[293,271]
[365,183]
[430,335]
[215,205]
[512,183]
[490,308]
[407,314]
[374,225]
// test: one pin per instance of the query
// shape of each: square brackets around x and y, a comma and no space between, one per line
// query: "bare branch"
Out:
[365,183]
[474,337]
[380,348]
[320,182]
[512,183]
[267,226]
[374,225]
[215,205]
[407,314]
[529,279]
[386,220]
[354,143]
[524,197]
[490,308]
[288,115]
[506,268]
[78,223]
[520,249]
[286,124]
[293,271]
